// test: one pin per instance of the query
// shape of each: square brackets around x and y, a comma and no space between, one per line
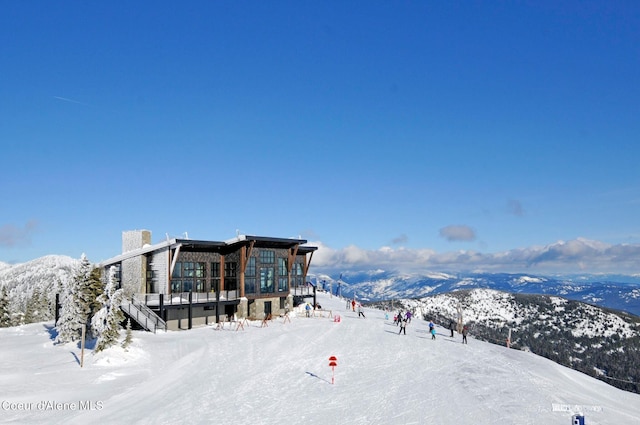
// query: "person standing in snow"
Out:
[403,326]
[308,308]
[360,312]
[399,317]
[451,326]
[353,305]
[431,326]
[408,316]
[433,333]
[465,330]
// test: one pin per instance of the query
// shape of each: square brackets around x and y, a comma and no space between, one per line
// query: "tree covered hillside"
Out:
[600,342]
[27,290]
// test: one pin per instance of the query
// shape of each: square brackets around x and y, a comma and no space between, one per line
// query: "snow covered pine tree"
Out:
[79,302]
[5,315]
[106,322]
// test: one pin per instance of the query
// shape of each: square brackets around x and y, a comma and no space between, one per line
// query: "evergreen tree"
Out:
[128,337]
[38,308]
[79,303]
[106,322]
[5,314]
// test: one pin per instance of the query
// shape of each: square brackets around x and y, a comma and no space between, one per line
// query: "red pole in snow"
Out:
[333,362]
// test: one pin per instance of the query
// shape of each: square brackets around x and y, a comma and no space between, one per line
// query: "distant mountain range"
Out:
[611,291]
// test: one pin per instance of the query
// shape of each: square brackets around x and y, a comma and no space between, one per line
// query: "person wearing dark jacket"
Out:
[403,327]
[451,327]
[465,330]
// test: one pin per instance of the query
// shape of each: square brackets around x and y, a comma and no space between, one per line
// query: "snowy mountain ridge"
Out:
[611,291]
[42,277]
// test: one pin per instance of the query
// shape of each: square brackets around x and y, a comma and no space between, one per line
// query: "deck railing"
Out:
[181,298]
[143,315]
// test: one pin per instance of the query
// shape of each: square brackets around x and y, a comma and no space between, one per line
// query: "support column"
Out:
[243,308]
[289,303]
[190,322]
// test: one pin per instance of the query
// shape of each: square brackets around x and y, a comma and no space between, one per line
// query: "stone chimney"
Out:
[135,239]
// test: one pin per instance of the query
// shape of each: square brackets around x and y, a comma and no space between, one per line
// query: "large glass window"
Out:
[282,267]
[250,276]
[231,275]
[215,277]
[297,278]
[267,280]
[283,272]
[184,272]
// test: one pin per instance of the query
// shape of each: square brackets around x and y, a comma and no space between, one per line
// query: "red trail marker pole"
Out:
[333,362]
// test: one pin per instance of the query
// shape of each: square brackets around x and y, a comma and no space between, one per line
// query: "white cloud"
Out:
[458,233]
[11,236]
[579,255]
[400,239]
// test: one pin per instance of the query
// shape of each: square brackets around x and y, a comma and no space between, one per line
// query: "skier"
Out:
[353,305]
[360,312]
[465,330]
[451,326]
[403,326]
[431,326]
[433,333]
[308,308]
[408,316]
[398,317]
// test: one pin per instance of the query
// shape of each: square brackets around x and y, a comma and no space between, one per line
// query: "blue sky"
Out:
[385,128]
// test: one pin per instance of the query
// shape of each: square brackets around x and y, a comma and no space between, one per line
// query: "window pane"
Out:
[176,286]
[230,284]
[188,270]
[282,284]
[177,270]
[282,267]
[215,269]
[267,257]
[200,270]
[199,285]
[251,267]
[230,269]
[187,286]
[266,280]
[250,285]
[215,285]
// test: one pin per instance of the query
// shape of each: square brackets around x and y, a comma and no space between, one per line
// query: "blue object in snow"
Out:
[577,420]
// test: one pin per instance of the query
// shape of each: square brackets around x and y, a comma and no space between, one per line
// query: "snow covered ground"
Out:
[280,374]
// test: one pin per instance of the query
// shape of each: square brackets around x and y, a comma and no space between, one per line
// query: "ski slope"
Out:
[280,374]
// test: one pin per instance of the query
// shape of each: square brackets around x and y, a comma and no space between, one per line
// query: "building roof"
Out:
[229,245]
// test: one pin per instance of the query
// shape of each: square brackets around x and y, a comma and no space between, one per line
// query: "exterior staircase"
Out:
[143,315]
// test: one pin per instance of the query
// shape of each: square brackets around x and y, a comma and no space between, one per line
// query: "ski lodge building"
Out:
[181,283]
